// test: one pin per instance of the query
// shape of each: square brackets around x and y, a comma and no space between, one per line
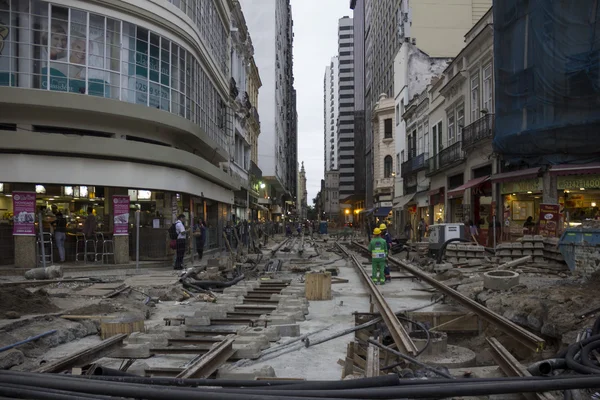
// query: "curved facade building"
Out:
[117,97]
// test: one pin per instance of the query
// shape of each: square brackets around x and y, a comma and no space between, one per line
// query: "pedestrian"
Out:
[200,236]
[407,229]
[385,234]
[379,252]
[89,226]
[181,236]
[473,231]
[60,234]
[421,228]
[528,226]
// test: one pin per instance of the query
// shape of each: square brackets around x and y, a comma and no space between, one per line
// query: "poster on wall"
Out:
[24,213]
[121,215]
[549,219]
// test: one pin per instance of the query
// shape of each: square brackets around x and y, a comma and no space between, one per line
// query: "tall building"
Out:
[330,114]
[104,105]
[271,28]
[360,179]
[345,120]
[386,23]
[302,202]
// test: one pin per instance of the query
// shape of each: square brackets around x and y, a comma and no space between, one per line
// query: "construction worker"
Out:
[388,239]
[379,251]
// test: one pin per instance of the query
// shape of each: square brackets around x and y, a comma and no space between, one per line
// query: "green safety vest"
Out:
[378,248]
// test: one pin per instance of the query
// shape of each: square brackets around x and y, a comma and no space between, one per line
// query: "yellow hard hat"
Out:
[382,227]
[376,231]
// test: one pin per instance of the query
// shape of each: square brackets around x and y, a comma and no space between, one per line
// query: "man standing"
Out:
[379,251]
[89,226]
[421,228]
[388,239]
[180,246]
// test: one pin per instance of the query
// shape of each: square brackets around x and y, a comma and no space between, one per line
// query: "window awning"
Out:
[528,173]
[382,211]
[404,200]
[575,169]
[460,191]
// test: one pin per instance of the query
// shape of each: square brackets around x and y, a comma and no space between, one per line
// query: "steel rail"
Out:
[399,334]
[512,367]
[527,338]
[84,356]
[208,363]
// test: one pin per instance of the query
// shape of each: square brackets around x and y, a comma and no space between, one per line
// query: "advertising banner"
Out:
[24,213]
[121,215]
[549,219]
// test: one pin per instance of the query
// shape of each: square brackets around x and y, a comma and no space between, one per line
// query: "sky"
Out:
[315,42]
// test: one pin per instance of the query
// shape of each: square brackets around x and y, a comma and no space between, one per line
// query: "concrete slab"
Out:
[289,330]
[132,351]
[261,341]
[246,350]
[200,320]
[154,340]
[271,332]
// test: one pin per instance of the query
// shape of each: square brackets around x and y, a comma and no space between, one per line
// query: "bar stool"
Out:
[87,242]
[79,244]
[105,248]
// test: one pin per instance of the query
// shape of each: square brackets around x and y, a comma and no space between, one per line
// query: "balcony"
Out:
[447,157]
[254,113]
[415,164]
[483,128]
[384,185]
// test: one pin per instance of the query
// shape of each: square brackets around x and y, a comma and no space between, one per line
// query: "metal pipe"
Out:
[29,392]
[29,339]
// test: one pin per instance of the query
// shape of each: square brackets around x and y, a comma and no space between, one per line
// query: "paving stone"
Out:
[450,253]
[155,340]
[271,332]
[11,358]
[538,245]
[517,253]
[528,245]
[289,330]
[200,320]
[527,238]
[517,245]
[463,260]
[132,351]
[453,260]
[471,254]
[538,252]
[462,254]
[261,341]
[246,350]
[528,252]
[451,246]
[538,238]
[475,262]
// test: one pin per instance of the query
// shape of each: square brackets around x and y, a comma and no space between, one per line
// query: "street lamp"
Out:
[262,185]
[347,211]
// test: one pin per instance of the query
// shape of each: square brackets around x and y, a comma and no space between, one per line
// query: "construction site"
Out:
[301,318]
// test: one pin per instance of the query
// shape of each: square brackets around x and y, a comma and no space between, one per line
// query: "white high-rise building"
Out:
[270,25]
[345,118]
[330,113]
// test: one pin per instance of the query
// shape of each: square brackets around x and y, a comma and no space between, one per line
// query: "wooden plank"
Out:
[372,368]
[361,362]
[85,356]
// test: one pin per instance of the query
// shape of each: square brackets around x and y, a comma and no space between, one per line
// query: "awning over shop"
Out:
[367,211]
[575,169]
[404,200]
[382,211]
[460,191]
[521,174]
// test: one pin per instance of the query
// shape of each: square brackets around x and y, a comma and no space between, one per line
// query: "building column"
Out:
[550,189]
[121,242]
[25,250]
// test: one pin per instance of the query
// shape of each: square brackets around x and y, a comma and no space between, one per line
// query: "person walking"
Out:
[60,234]
[421,229]
[388,239]
[200,236]
[379,251]
[181,236]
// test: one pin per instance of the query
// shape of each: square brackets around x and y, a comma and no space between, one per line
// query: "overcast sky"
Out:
[315,42]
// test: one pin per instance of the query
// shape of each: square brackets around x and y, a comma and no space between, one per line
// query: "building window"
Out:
[487,88]
[475,97]
[397,114]
[460,123]
[388,166]
[451,137]
[387,128]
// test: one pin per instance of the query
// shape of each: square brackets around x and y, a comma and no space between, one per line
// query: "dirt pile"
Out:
[21,301]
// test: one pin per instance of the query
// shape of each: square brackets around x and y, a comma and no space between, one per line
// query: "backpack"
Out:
[173,232]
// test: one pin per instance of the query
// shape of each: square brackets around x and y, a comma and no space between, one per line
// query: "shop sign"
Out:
[24,213]
[529,185]
[121,215]
[549,219]
[578,182]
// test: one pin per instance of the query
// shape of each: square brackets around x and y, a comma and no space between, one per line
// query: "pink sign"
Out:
[24,213]
[121,215]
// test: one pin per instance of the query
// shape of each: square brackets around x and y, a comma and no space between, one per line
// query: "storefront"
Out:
[115,211]
[473,201]
[521,199]
[437,208]
[579,197]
